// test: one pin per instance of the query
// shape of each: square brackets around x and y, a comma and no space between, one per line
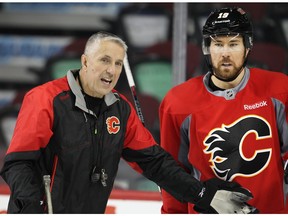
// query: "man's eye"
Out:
[119,64]
[105,60]
[218,45]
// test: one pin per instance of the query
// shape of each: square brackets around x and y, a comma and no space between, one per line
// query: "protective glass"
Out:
[223,43]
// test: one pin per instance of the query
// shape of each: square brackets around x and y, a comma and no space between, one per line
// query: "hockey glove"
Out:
[25,207]
[222,197]
[33,207]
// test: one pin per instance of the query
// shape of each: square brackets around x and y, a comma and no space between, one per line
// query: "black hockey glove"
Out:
[25,207]
[33,207]
[222,197]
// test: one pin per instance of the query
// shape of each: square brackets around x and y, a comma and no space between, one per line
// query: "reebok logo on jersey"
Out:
[255,106]
[113,125]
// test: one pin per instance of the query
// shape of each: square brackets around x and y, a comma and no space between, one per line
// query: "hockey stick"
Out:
[133,89]
[47,181]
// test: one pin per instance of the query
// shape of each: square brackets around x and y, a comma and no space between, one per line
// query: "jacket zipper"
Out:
[98,172]
[95,174]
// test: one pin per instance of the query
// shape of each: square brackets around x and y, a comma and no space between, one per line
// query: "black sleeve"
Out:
[25,186]
[161,168]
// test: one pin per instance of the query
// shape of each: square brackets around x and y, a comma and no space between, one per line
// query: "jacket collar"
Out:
[109,99]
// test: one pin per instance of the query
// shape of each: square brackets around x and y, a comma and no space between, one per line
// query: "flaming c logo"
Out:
[225,147]
[113,125]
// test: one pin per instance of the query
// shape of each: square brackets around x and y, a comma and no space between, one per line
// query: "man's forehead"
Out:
[235,37]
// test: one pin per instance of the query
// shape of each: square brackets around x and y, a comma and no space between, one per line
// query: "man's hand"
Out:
[222,197]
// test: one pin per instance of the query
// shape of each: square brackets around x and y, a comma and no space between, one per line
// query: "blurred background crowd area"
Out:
[41,41]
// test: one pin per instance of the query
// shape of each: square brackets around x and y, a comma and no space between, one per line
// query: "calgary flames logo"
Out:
[113,125]
[226,148]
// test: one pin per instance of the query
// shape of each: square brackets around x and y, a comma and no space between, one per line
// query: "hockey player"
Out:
[77,128]
[232,122]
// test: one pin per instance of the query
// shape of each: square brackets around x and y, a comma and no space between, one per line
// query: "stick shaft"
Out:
[47,181]
[133,89]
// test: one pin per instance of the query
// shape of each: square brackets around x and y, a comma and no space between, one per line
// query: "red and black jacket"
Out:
[56,134]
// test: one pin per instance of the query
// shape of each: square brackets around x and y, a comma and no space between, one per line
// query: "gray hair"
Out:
[103,36]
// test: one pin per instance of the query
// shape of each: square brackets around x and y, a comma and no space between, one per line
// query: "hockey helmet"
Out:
[227,21]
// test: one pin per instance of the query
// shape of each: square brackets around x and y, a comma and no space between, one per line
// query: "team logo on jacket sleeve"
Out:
[113,125]
[229,145]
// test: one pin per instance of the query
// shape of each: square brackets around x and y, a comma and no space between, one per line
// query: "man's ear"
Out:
[83,61]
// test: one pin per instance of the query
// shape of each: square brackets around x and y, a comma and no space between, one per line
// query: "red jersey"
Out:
[238,134]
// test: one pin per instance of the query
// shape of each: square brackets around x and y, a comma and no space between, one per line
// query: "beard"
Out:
[226,70]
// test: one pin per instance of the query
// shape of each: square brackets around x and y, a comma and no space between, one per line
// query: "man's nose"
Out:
[226,51]
[111,69]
